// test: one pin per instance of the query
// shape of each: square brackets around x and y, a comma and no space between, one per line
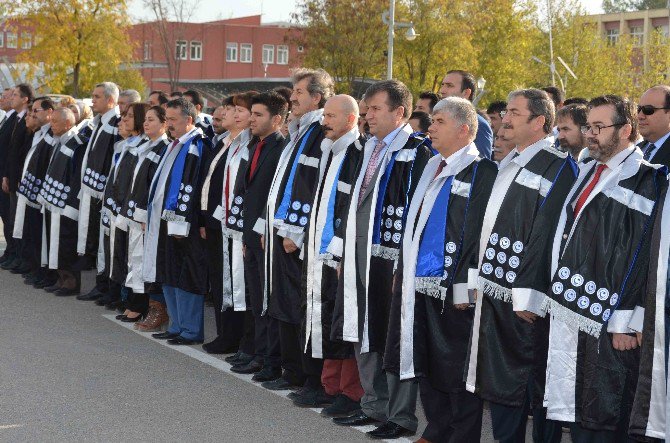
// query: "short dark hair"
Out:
[274,101]
[176,94]
[539,104]
[286,93]
[556,95]
[398,94]
[186,107]
[576,112]
[424,120]
[26,91]
[162,97]
[160,113]
[575,101]
[45,102]
[139,113]
[244,99]
[467,82]
[624,111]
[429,95]
[195,97]
[228,101]
[496,107]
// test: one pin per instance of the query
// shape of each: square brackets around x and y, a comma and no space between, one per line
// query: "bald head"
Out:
[340,115]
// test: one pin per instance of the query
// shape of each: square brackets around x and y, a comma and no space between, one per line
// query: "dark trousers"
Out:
[137,302]
[312,368]
[452,417]
[247,342]
[6,224]
[32,239]
[291,359]
[581,435]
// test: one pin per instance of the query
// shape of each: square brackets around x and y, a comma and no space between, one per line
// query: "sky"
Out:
[272,10]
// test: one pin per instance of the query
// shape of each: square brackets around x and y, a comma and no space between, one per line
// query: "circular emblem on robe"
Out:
[130,212]
[100,186]
[448,261]
[399,211]
[131,204]
[35,189]
[398,225]
[242,213]
[596,309]
[67,189]
[603,293]
[293,218]
[188,189]
[557,288]
[96,175]
[23,181]
[388,223]
[390,210]
[499,272]
[38,182]
[57,193]
[306,208]
[240,223]
[338,222]
[493,239]
[105,219]
[22,188]
[514,262]
[303,221]
[490,253]
[577,280]
[64,196]
[510,276]
[235,210]
[183,207]
[42,192]
[93,183]
[564,273]
[487,268]
[103,178]
[88,171]
[502,257]
[396,238]
[451,247]
[606,315]
[238,200]
[590,287]
[61,204]
[61,186]
[181,187]
[504,242]
[570,295]
[49,198]
[85,181]
[296,205]
[583,302]
[231,220]
[52,190]
[186,198]
[387,236]
[614,299]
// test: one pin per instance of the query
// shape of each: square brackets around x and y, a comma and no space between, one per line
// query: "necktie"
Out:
[587,191]
[372,167]
[254,159]
[440,168]
[647,152]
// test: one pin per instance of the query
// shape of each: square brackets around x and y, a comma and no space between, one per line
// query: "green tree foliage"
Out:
[610,6]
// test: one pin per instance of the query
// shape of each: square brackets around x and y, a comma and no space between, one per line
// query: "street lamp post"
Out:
[388,18]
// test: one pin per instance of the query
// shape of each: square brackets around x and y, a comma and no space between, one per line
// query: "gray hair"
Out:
[320,82]
[186,107]
[110,90]
[539,104]
[66,114]
[461,110]
[132,95]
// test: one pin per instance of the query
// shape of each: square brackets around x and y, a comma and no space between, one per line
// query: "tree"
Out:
[610,6]
[78,43]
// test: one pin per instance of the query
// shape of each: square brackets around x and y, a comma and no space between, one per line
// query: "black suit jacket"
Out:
[214,196]
[662,156]
[5,138]
[258,187]
[18,148]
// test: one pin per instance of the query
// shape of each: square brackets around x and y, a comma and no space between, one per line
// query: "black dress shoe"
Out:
[103,300]
[356,419]
[181,341]
[389,430]
[164,335]
[268,373]
[219,347]
[22,269]
[93,294]
[44,283]
[120,316]
[314,398]
[240,358]
[343,406]
[279,384]
[52,288]
[9,263]
[250,368]
[127,319]
[64,292]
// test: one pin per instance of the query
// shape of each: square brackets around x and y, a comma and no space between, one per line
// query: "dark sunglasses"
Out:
[648,109]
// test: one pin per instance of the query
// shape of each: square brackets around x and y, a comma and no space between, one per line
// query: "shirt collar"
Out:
[658,143]
[109,115]
[344,141]
[184,138]
[300,126]
[22,113]
[524,157]
[620,157]
[389,138]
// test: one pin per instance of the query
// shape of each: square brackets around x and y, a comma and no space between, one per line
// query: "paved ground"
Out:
[68,371]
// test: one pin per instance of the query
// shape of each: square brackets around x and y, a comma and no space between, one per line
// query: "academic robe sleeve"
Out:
[534,275]
[187,206]
[465,279]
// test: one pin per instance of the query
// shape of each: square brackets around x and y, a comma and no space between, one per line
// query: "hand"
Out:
[462,306]
[5,185]
[638,335]
[338,270]
[144,226]
[263,242]
[624,342]
[474,295]
[289,246]
[527,316]
[203,233]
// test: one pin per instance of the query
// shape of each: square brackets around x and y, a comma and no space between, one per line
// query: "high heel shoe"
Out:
[127,319]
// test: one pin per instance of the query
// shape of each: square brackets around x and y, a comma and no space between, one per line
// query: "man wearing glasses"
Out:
[654,115]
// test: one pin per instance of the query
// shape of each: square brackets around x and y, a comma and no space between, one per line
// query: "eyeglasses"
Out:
[514,114]
[648,109]
[595,130]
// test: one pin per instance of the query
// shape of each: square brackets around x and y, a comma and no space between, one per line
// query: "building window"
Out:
[637,34]
[612,36]
[282,55]
[147,51]
[181,50]
[26,40]
[662,30]
[301,48]
[268,54]
[246,52]
[196,50]
[11,40]
[2,39]
[231,52]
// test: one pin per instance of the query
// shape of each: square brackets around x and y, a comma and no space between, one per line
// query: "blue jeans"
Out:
[186,311]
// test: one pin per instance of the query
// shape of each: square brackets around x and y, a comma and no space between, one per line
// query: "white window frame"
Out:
[282,54]
[637,35]
[197,47]
[268,54]
[231,52]
[26,40]
[12,40]
[612,36]
[246,52]
[181,50]
[2,39]
[147,51]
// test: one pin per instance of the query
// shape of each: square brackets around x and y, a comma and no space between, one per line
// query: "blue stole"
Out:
[430,261]
[329,227]
[286,198]
[383,183]
[172,199]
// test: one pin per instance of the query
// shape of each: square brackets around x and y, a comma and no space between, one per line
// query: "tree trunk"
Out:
[75,80]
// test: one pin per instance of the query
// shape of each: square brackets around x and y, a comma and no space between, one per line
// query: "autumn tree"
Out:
[78,43]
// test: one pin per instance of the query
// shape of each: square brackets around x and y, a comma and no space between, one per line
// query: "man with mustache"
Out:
[569,122]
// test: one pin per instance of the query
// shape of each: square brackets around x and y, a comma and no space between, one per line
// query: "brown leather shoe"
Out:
[156,318]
